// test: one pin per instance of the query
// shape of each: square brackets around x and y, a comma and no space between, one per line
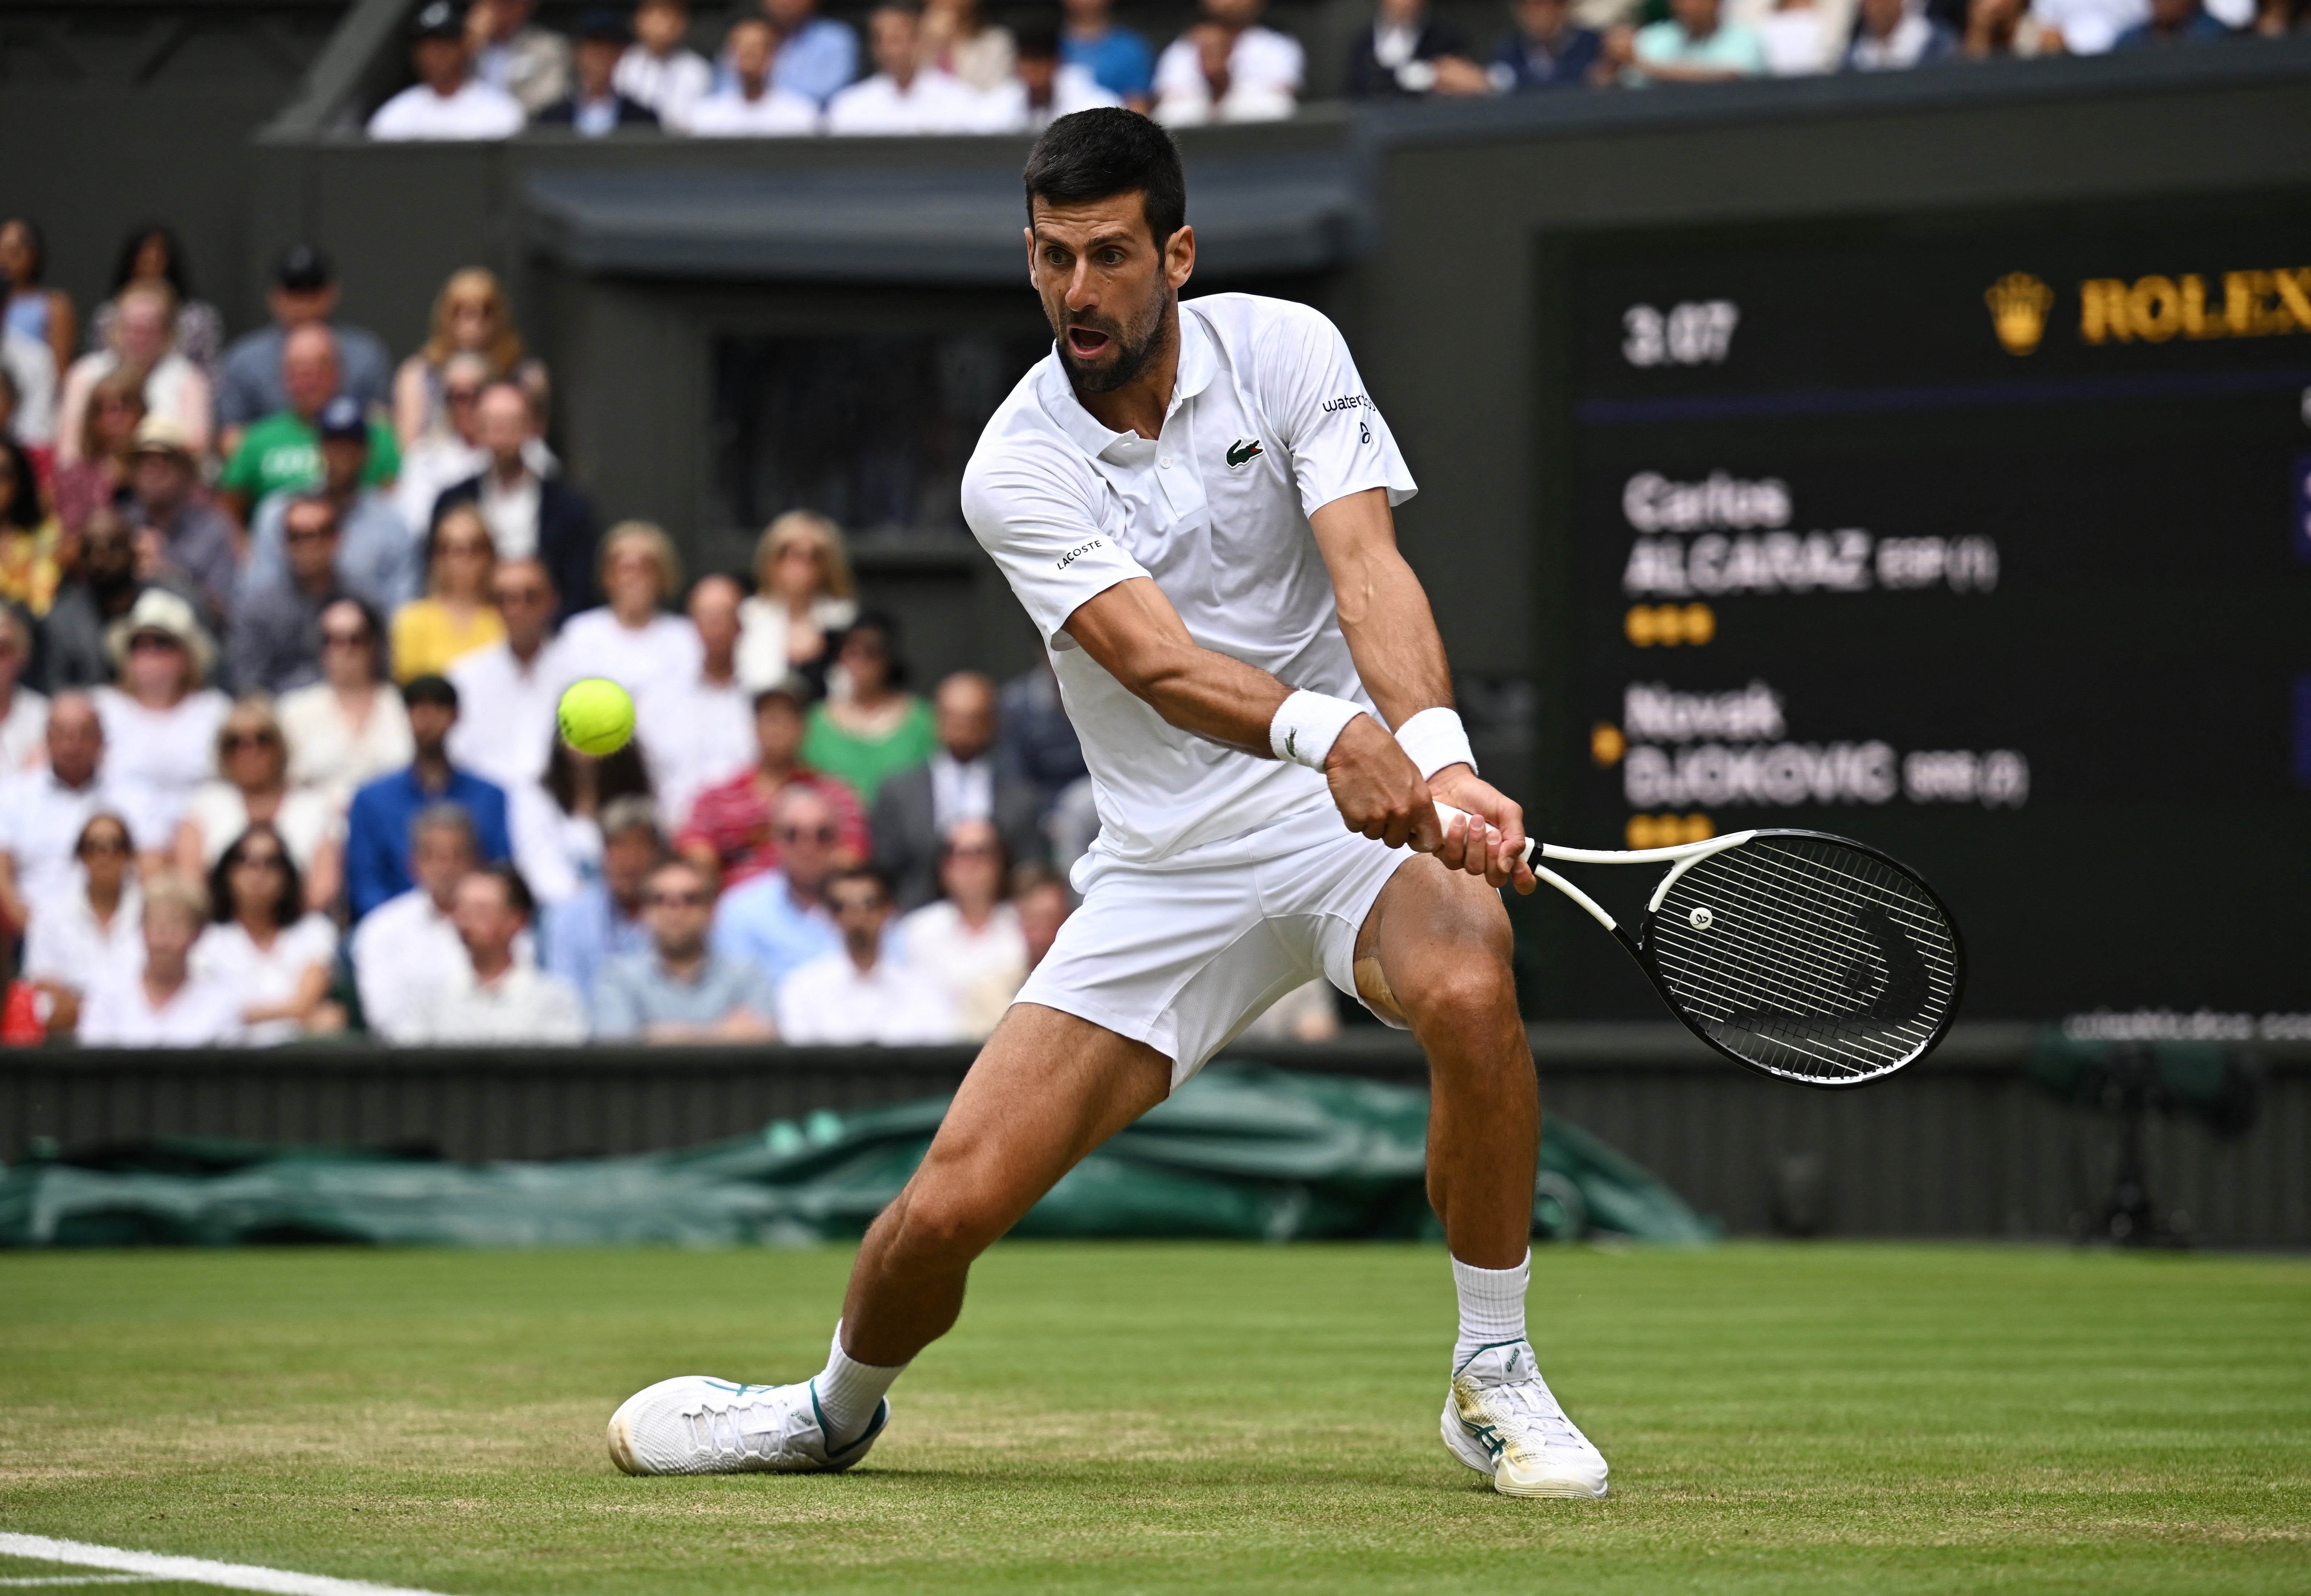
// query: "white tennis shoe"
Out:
[692,1425]
[1500,1419]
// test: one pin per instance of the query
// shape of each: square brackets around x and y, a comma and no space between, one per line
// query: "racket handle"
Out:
[1447,814]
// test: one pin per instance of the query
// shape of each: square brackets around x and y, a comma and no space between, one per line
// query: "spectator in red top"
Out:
[729,827]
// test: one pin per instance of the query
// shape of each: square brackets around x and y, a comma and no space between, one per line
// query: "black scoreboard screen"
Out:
[1986,541]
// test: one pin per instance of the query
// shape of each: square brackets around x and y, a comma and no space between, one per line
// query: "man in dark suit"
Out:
[529,516]
[594,106]
[914,809]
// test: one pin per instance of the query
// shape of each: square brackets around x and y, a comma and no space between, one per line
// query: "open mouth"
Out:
[1086,342]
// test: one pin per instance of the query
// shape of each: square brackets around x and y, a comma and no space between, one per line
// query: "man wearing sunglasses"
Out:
[277,633]
[681,989]
[778,922]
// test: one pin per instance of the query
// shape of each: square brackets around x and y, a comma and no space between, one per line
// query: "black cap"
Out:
[341,417]
[301,269]
[602,23]
[428,689]
[438,20]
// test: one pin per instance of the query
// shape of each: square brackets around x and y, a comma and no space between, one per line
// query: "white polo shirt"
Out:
[1268,422]
[934,101]
[477,111]
[779,112]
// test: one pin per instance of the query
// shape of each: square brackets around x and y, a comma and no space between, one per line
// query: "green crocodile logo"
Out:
[1242,451]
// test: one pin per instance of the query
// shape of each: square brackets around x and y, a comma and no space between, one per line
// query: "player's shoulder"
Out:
[1255,320]
[1023,440]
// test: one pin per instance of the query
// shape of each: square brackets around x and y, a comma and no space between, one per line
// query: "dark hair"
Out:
[1035,39]
[34,237]
[24,509]
[617,775]
[177,278]
[103,817]
[378,663]
[517,891]
[287,909]
[878,622]
[428,689]
[1097,154]
[860,872]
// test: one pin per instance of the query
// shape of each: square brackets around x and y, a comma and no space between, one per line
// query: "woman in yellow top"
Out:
[29,534]
[455,615]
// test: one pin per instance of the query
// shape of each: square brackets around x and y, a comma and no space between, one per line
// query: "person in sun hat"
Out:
[161,718]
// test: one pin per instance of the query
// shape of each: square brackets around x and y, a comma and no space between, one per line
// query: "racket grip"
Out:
[1446,814]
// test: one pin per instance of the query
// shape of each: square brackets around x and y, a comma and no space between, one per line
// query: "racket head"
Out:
[1806,957]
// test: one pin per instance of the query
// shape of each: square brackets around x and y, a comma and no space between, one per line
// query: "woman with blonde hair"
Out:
[143,333]
[107,442]
[455,615]
[165,1002]
[252,790]
[804,594]
[471,315]
[631,640]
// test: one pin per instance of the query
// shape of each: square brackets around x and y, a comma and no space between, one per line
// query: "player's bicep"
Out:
[1134,633]
[1339,443]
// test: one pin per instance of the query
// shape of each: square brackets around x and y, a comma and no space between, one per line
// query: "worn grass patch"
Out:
[1158,1418]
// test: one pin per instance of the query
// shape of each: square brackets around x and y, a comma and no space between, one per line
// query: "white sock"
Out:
[1492,1306]
[849,1389]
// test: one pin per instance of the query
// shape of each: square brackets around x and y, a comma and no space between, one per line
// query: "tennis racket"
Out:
[1800,955]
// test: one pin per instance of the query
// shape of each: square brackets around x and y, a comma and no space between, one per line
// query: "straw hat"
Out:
[164,435]
[157,609]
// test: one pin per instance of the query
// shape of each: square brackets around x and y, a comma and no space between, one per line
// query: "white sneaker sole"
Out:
[1558,1487]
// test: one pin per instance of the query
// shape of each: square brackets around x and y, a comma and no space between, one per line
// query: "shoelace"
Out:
[1532,1400]
[708,1426]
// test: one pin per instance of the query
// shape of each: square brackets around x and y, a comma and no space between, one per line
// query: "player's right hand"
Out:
[1378,789]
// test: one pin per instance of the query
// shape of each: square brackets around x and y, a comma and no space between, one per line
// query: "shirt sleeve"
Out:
[1044,531]
[1315,397]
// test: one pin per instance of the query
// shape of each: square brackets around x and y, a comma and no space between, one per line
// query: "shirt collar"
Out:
[1198,363]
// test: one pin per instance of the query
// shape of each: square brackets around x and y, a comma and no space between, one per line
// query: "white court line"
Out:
[196,1571]
[85,1579]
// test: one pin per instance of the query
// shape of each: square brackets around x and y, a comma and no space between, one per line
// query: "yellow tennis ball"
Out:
[596,717]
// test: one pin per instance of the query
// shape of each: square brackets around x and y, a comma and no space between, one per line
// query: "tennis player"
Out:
[1193,502]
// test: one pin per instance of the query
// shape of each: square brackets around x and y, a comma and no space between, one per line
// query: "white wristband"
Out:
[1436,738]
[1307,725]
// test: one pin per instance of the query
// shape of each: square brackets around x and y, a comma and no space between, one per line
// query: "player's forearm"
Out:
[1384,614]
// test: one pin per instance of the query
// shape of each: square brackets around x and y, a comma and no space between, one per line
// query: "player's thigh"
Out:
[1436,941]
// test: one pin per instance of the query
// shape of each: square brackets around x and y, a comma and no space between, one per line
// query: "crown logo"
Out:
[2018,303]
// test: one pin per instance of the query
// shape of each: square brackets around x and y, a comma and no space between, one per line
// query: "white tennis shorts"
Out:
[1184,954]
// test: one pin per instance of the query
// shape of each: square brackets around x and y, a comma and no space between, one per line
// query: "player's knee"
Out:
[1476,983]
[941,1223]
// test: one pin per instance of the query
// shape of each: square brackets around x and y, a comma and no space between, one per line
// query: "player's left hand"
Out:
[1492,848]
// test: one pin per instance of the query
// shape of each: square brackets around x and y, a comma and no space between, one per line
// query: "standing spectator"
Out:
[697,729]
[778,921]
[72,635]
[968,939]
[1547,50]
[594,106]
[904,95]
[730,829]
[266,948]
[470,317]
[447,102]
[1406,51]
[630,639]
[751,105]
[918,808]
[1044,88]
[514,686]
[144,336]
[98,479]
[29,535]
[2170,22]
[511,52]
[604,919]
[957,40]
[407,944]
[456,617]
[528,514]
[659,69]
[1117,57]
[35,310]
[161,722]
[804,594]
[151,254]
[865,992]
[89,925]
[1229,69]
[376,557]
[23,714]
[868,729]
[276,629]
[1043,902]
[181,539]
[817,56]
[555,821]
[377,827]
[304,293]
[1693,45]
[1037,742]
[164,1004]
[43,811]
[1894,38]
[498,998]
[251,790]
[678,989]
[348,728]
[283,452]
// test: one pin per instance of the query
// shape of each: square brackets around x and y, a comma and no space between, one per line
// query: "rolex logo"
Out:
[2018,303]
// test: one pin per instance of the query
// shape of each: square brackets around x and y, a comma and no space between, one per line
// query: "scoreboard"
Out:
[1984,539]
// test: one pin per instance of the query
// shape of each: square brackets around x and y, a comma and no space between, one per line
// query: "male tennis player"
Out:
[1192,502]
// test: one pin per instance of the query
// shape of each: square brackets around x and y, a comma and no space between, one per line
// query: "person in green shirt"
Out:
[1696,45]
[284,450]
[869,728]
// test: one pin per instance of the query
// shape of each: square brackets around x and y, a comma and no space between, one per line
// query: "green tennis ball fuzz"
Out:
[596,717]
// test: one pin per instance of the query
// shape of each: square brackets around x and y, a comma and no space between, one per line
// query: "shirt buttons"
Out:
[1166,462]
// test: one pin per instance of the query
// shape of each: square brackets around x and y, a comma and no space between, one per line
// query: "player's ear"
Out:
[1180,257]
[1028,233]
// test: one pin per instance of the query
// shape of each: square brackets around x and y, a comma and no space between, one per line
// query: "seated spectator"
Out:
[513,687]
[153,257]
[99,479]
[348,728]
[470,317]
[1228,68]
[968,939]
[1406,51]
[1043,904]
[377,827]
[527,515]
[71,634]
[252,790]
[1996,29]
[408,945]
[283,452]
[867,728]
[28,398]
[2085,27]
[904,95]
[144,336]
[512,53]
[957,40]
[1892,36]
[1547,50]
[1035,742]
[276,630]
[555,821]
[376,554]
[1693,45]
[804,594]
[304,293]
[2170,22]
[630,639]
[159,722]
[594,106]
[778,921]
[1801,37]
[678,989]
[44,811]
[1043,89]
[729,830]
[447,102]
[864,992]
[29,537]
[751,105]
[91,924]
[160,1000]
[23,714]
[603,920]
[697,728]
[963,781]
[498,998]
[449,453]
[817,55]
[34,310]
[180,538]
[658,69]
[2276,19]
[1118,59]
[456,617]
[266,946]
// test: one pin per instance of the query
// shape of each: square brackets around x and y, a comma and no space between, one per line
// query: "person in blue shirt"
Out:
[2171,21]
[604,920]
[779,922]
[376,828]
[1547,50]
[1118,58]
